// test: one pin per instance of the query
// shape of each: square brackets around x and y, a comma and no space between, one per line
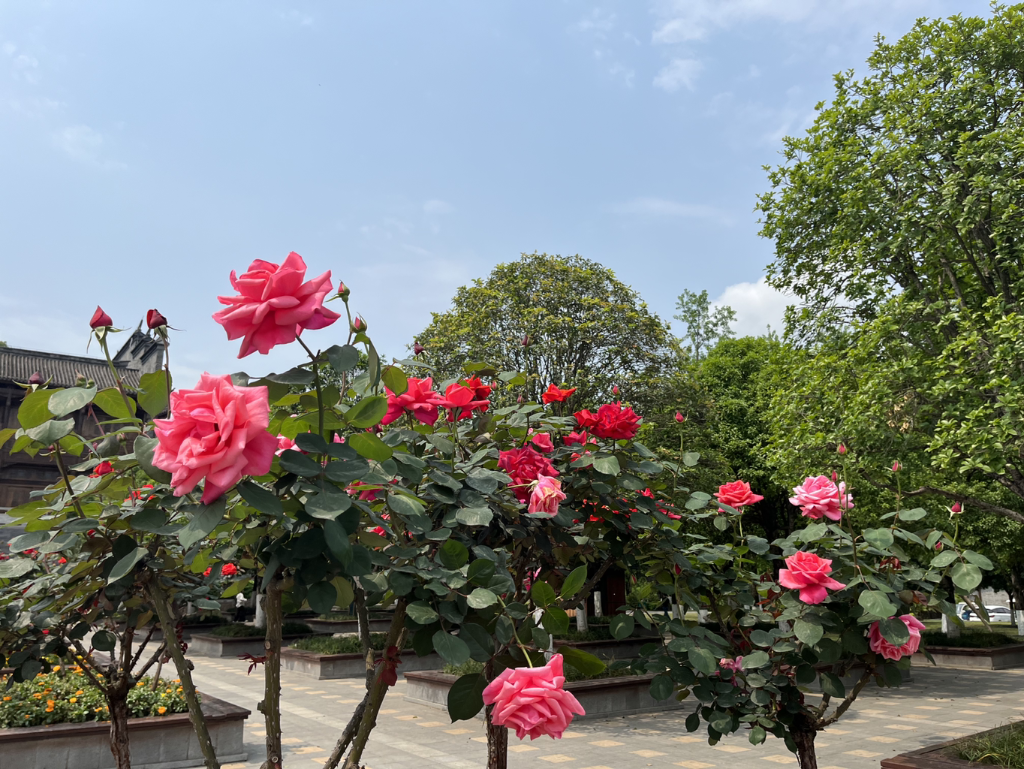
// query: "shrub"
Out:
[339,644]
[238,630]
[969,639]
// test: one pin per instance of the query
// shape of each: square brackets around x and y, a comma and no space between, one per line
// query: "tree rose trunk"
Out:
[117,702]
[497,743]
[271,705]
[803,735]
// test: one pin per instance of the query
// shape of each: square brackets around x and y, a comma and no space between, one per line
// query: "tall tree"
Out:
[705,326]
[896,221]
[562,320]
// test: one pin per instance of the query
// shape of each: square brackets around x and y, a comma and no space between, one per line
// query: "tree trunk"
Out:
[1018,600]
[271,705]
[117,702]
[803,735]
[497,743]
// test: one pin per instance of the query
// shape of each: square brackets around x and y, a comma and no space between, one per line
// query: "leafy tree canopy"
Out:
[562,320]
[705,327]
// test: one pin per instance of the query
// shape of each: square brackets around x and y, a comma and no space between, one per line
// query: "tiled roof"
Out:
[18,365]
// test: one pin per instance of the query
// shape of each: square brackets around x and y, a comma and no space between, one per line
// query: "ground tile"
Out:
[647,753]
[557,758]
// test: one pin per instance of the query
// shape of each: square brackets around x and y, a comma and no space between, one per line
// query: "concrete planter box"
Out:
[626,649]
[321,666]
[347,625]
[215,646]
[167,742]
[997,658]
[603,698]
[941,756]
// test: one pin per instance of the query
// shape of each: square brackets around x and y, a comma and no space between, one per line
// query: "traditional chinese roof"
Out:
[139,355]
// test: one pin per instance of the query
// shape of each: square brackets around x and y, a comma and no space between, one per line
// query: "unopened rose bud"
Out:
[343,291]
[154,319]
[527,341]
[956,508]
[519,399]
[359,324]
[842,448]
[835,476]
[418,349]
[100,319]
[896,466]
[615,389]
[36,379]
[680,418]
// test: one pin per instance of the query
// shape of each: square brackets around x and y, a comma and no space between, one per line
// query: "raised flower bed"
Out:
[996,747]
[974,649]
[236,640]
[340,658]
[342,623]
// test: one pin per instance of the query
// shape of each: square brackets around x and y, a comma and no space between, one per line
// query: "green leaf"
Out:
[48,433]
[757,735]
[125,565]
[15,567]
[465,698]
[481,598]
[421,613]
[203,521]
[691,458]
[33,410]
[144,448]
[808,632]
[542,593]
[111,402]
[328,505]
[29,541]
[555,621]
[943,559]
[347,470]
[395,380]
[293,376]
[153,397]
[370,446]
[481,571]
[761,638]
[453,554]
[474,516]
[321,597]
[405,506]
[895,631]
[337,540]
[586,663]
[758,545]
[311,443]
[607,465]
[104,641]
[296,462]
[342,358]
[481,645]
[879,538]
[703,661]
[978,560]
[622,626]
[662,687]
[64,402]
[450,648]
[966,576]
[913,515]
[258,497]
[832,685]
[876,604]
[755,660]
[577,578]
[368,412]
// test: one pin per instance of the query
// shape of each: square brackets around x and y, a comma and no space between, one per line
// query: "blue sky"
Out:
[146,149]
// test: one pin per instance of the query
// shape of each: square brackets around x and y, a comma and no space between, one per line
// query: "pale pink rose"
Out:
[735,665]
[419,400]
[283,444]
[532,700]
[273,306]
[808,573]
[879,645]
[218,432]
[546,496]
[817,497]
[543,442]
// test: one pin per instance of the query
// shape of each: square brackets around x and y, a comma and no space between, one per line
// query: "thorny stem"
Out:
[117,377]
[67,480]
[319,389]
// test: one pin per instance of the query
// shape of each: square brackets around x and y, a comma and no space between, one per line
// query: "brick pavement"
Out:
[936,706]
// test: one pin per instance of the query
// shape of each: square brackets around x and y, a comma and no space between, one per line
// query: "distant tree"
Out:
[562,320]
[705,326]
[3,344]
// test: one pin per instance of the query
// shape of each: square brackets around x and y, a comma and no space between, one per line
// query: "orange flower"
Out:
[161,710]
[38,695]
[73,700]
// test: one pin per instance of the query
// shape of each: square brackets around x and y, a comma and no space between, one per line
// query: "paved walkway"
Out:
[936,706]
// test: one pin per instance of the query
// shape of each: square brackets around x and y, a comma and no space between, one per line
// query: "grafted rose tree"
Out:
[827,608]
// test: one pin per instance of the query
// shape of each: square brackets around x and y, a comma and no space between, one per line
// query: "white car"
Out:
[995,614]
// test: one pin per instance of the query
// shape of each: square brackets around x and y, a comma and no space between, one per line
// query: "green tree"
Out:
[896,222]
[561,320]
[705,327]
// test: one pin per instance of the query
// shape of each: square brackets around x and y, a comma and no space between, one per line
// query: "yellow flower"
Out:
[79,693]
[161,710]
[56,668]
[179,689]
[140,683]
[27,716]
[73,700]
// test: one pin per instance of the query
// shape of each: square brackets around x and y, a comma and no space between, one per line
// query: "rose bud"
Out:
[956,508]
[615,389]
[154,319]
[36,379]
[526,341]
[841,448]
[359,324]
[100,319]
[680,418]
[835,476]
[343,291]
[896,466]
[418,349]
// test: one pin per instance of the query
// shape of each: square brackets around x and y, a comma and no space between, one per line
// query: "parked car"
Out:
[995,614]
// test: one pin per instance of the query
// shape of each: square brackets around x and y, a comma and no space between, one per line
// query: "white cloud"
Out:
[302,19]
[679,73]
[438,207]
[662,207]
[599,23]
[757,307]
[85,145]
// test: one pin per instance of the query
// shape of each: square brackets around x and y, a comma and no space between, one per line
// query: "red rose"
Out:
[613,421]
[154,319]
[580,438]
[481,391]
[419,399]
[103,468]
[209,570]
[100,319]
[737,494]
[524,466]
[543,442]
[228,570]
[555,395]
[460,402]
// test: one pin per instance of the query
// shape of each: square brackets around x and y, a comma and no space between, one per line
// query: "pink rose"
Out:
[737,494]
[546,496]
[879,645]
[532,700]
[735,665]
[419,400]
[524,466]
[543,442]
[283,444]
[808,573]
[218,432]
[273,306]
[817,497]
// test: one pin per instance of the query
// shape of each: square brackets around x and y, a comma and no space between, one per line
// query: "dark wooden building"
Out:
[21,474]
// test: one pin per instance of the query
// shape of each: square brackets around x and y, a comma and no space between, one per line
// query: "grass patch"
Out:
[969,639]
[1005,748]
[342,645]
[239,630]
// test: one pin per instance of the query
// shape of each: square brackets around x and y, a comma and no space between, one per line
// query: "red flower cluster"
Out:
[419,399]
[462,400]
[554,395]
[612,421]
[524,466]
[227,570]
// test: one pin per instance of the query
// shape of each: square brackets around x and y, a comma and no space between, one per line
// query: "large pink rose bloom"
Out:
[546,496]
[218,432]
[532,700]
[808,573]
[273,305]
[879,645]
[419,400]
[817,497]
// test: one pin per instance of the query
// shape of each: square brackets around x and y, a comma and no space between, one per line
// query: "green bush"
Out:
[67,697]
[571,673]
[342,645]
[1005,748]
[968,639]
[239,630]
